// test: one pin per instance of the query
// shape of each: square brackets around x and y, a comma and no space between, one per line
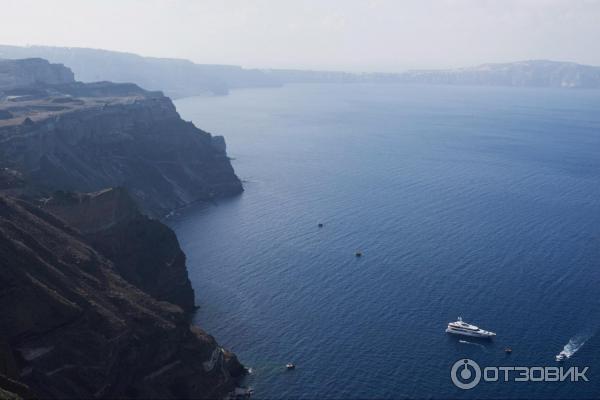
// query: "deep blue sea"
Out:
[479,202]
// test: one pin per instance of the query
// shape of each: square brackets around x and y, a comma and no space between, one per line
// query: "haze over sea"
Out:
[480,202]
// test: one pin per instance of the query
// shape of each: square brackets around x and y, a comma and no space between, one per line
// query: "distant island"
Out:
[182,78]
[534,73]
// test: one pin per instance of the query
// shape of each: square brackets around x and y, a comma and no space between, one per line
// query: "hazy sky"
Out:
[368,35]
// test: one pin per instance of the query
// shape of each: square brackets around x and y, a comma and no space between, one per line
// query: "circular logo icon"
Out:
[465,374]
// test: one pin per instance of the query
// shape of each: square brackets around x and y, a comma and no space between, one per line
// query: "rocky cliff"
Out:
[144,251]
[31,71]
[93,293]
[87,137]
[73,328]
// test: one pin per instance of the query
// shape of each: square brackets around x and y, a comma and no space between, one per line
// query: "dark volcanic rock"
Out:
[92,292]
[10,179]
[11,389]
[76,329]
[218,143]
[144,251]
[120,136]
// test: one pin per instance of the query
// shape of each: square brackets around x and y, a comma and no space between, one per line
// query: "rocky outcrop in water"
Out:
[73,328]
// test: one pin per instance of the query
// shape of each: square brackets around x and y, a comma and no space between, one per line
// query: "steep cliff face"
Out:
[93,292]
[144,251]
[31,71]
[88,137]
[72,327]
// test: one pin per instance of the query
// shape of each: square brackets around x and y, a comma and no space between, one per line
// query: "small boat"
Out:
[462,328]
[508,350]
[290,366]
[560,357]
[358,254]
[320,225]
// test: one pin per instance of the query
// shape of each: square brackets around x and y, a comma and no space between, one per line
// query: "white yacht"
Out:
[462,328]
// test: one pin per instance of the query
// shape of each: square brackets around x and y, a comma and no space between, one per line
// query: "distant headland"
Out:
[183,78]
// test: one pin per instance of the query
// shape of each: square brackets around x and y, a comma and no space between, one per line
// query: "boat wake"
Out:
[572,347]
[482,347]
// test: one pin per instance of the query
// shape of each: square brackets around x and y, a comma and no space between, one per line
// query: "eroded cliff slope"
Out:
[87,137]
[93,293]
[144,251]
[72,327]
